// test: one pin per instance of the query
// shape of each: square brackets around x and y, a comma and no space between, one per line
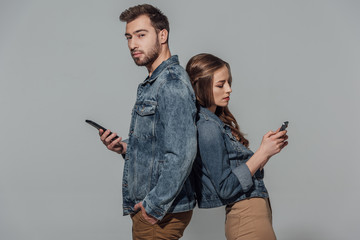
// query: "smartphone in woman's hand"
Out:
[284,126]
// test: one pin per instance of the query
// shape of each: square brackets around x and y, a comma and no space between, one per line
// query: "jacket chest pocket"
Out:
[232,151]
[238,153]
[234,143]
[144,126]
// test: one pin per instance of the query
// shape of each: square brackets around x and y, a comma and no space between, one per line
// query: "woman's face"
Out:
[221,88]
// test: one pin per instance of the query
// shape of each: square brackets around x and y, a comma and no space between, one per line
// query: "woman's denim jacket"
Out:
[162,143]
[221,176]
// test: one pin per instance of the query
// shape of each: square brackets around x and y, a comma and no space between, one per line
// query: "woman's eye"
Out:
[220,86]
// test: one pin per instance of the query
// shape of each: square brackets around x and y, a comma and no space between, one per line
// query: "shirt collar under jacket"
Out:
[172,60]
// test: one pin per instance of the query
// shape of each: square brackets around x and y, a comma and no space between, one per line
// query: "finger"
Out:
[115,143]
[149,218]
[120,144]
[105,135]
[113,136]
[280,134]
[279,140]
[284,144]
[136,207]
[152,220]
[101,132]
[139,205]
[269,134]
[116,140]
[110,138]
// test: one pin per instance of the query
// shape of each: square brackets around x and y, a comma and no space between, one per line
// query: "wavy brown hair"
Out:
[201,69]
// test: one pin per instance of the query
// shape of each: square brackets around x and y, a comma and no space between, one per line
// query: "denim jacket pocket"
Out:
[234,142]
[144,126]
[232,149]
[238,153]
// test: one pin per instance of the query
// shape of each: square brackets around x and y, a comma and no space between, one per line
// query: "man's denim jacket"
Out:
[162,143]
[220,174]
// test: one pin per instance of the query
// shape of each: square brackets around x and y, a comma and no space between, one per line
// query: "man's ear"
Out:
[163,36]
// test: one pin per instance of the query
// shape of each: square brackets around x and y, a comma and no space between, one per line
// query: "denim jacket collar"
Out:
[172,60]
[210,115]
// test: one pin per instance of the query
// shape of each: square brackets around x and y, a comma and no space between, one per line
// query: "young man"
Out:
[162,138]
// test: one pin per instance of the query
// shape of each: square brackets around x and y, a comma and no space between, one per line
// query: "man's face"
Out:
[143,41]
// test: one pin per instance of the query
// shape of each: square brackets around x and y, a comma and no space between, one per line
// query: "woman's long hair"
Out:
[201,69]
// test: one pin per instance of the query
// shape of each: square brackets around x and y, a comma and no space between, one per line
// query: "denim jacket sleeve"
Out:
[227,182]
[177,111]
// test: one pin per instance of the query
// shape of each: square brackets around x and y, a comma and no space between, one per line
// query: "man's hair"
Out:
[158,20]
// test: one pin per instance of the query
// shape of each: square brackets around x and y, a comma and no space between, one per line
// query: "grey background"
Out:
[62,62]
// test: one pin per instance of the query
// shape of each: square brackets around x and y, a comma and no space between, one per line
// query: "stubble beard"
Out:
[150,57]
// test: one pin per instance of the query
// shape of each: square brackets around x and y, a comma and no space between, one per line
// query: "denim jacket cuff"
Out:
[243,174]
[152,210]
[259,174]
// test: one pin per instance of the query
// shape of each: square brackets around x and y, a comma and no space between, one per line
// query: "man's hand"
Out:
[147,217]
[111,143]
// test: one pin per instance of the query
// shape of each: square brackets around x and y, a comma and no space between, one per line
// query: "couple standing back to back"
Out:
[184,144]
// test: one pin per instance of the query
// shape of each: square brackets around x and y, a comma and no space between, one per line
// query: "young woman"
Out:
[226,171]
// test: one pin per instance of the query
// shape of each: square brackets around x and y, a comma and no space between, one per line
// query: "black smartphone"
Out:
[284,126]
[98,126]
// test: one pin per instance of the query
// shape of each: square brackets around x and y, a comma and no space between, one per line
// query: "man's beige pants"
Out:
[172,226]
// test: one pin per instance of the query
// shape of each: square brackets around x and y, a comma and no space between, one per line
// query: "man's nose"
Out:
[132,44]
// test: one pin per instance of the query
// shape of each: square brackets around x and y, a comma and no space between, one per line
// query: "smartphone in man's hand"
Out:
[98,126]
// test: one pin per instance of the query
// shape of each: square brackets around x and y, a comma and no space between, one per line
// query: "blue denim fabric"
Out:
[162,143]
[220,174]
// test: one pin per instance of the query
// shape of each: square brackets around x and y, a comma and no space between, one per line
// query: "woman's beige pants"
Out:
[249,219]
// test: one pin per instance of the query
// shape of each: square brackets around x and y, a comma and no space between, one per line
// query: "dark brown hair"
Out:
[201,69]
[158,20]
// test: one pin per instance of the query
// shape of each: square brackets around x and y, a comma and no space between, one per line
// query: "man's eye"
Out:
[141,35]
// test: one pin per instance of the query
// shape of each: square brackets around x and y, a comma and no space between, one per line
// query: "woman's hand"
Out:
[272,143]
